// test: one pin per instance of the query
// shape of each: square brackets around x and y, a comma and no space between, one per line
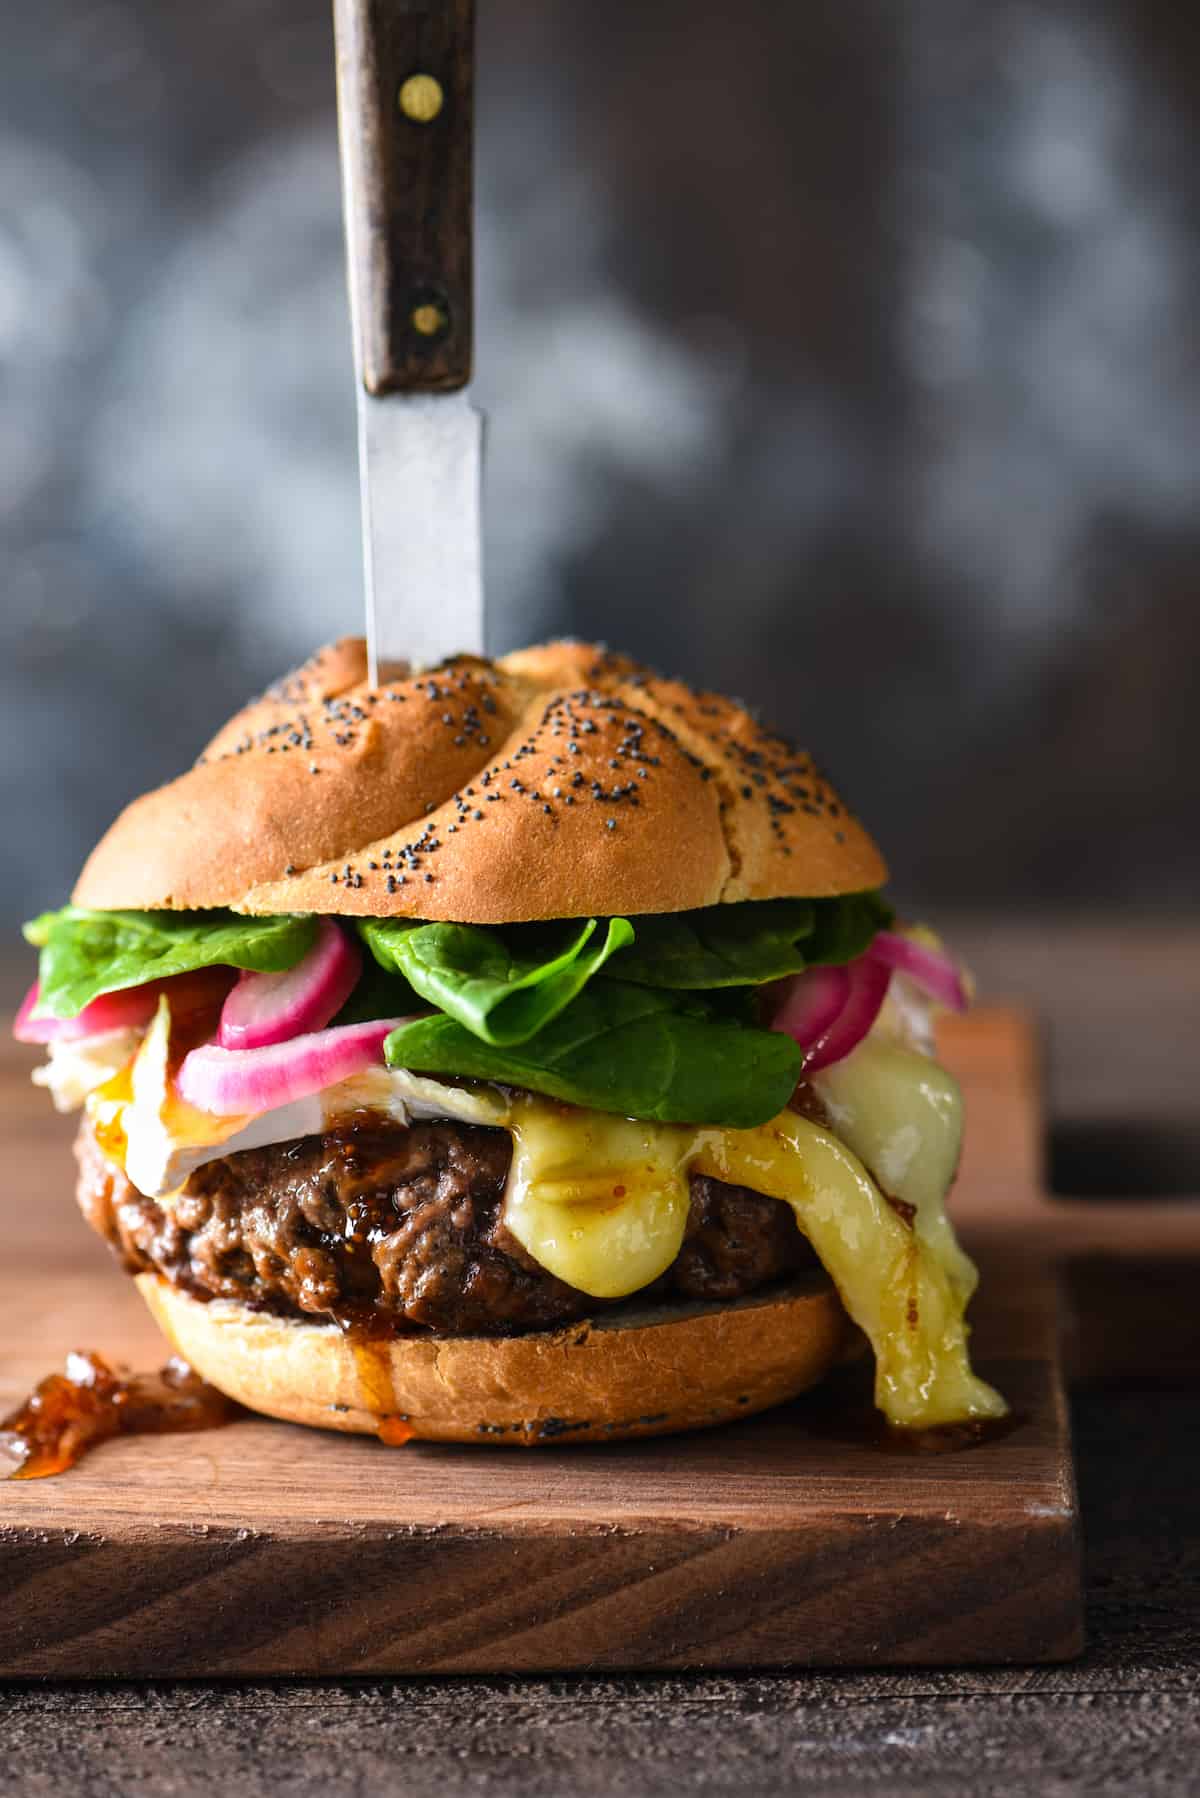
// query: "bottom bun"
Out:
[651,1371]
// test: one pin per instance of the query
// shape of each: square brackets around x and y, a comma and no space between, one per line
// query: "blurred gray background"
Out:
[843,355]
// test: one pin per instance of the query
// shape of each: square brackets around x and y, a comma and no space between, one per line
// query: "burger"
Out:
[520,1051]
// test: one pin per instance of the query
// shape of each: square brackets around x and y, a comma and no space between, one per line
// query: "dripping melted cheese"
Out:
[603,1202]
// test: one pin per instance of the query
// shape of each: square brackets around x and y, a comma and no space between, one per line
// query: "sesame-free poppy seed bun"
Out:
[561,781]
[645,1371]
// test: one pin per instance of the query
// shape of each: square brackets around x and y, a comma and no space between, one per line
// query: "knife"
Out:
[405,78]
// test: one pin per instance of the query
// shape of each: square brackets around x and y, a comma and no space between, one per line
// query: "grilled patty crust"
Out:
[399,1230]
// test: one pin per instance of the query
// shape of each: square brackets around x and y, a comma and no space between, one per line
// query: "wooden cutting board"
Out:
[791,1539]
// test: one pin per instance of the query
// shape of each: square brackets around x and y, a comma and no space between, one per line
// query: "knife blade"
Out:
[420,472]
[405,91]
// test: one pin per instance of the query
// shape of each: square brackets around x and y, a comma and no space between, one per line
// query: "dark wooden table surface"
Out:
[1122,1015]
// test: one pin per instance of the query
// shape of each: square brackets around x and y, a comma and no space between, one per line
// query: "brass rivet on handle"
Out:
[429,320]
[421,99]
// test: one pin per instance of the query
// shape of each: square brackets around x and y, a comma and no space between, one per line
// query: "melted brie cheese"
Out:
[902,1115]
[893,1280]
[142,1123]
[602,1202]
[74,1069]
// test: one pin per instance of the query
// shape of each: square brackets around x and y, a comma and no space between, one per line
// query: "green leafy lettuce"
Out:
[749,944]
[378,995]
[502,986]
[87,953]
[844,927]
[636,1050]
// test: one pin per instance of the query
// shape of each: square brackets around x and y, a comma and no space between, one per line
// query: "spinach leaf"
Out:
[750,943]
[629,1049]
[721,945]
[501,985]
[378,995]
[86,953]
[843,928]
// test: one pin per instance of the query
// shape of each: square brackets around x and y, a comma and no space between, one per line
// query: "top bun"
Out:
[558,782]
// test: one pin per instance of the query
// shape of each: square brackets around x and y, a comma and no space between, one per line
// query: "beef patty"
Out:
[399,1231]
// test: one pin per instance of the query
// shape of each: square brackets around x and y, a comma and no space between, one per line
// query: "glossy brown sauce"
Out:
[372,1364]
[394,1431]
[69,1413]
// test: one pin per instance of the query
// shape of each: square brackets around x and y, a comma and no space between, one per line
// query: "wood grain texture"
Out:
[408,189]
[790,1539]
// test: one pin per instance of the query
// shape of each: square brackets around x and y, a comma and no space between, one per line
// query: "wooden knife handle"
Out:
[405,77]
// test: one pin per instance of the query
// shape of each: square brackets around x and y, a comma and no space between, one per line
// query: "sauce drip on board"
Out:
[69,1413]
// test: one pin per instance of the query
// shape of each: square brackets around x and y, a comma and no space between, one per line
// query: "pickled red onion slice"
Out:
[868,982]
[932,969]
[241,1082]
[125,1010]
[829,1010]
[270,1008]
[808,1003]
